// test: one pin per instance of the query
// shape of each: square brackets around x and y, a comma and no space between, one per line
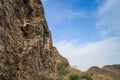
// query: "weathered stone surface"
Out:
[35,58]
[21,58]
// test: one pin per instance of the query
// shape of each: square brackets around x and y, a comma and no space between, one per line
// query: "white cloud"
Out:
[95,53]
[109,19]
[67,15]
[75,14]
[44,0]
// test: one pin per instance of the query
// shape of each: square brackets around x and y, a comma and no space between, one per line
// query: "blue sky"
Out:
[86,32]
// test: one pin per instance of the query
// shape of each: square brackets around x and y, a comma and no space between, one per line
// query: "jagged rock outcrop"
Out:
[35,58]
[21,58]
[112,71]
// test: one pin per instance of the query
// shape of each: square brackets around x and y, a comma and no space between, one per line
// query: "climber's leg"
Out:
[25,31]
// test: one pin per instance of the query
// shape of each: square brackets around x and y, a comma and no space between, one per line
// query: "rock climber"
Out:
[25,28]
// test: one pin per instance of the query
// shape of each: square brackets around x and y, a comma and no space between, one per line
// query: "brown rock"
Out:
[21,58]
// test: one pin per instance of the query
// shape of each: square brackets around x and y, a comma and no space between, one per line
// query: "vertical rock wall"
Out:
[21,58]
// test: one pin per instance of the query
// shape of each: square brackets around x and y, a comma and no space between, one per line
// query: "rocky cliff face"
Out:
[35,58]
[21,58]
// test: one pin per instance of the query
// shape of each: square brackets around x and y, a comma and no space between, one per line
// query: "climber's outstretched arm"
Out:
[25,21]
